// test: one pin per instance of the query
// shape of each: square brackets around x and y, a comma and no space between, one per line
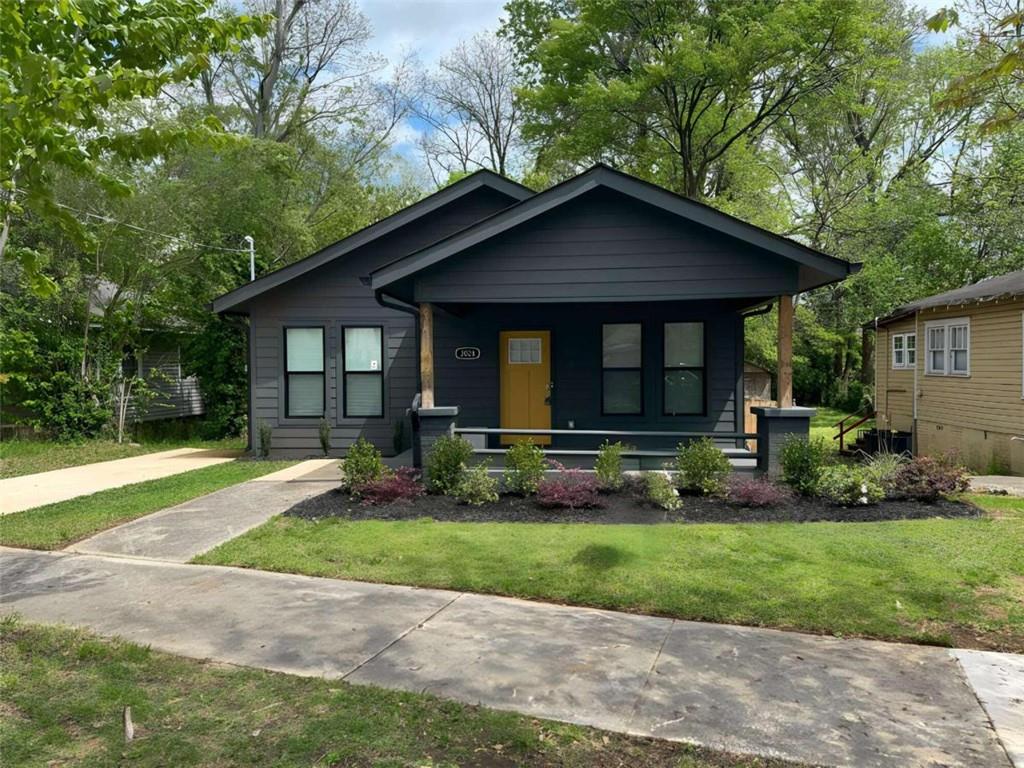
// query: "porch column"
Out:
[426,355]
[785,351]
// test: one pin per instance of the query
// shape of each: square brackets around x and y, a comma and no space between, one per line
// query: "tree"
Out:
[470,107]
[995,32]
[667,89]
[64,67]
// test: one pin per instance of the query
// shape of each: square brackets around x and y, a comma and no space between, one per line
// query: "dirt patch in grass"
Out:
[621,508]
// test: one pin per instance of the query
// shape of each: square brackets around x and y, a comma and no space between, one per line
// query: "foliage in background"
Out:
[265,433]
[524,468]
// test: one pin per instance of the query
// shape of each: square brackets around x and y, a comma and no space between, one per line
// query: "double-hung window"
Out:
[904,350]
[622,369]
[304,372]
[363,358]
[684,369]
[949,347]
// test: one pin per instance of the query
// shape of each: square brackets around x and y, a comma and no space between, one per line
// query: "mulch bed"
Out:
[620,508]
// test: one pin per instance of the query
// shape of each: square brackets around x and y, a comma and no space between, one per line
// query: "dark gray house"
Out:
[603,305]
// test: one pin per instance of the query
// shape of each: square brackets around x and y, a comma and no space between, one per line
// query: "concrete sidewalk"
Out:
[28,491]
[811,699]
[178,534]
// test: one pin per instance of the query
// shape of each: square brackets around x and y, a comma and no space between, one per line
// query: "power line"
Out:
[175,238]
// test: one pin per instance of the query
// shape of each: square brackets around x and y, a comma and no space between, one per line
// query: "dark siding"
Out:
[175,396]
[576,364]
[606,247]
[333,296]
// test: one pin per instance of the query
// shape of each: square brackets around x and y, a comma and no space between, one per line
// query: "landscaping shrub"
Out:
[362,465]
[325,436]
[524,468]
[757,492]
[569,489]
[882,468]
[403,485]
[661,491]
[266,432]
[608,466]
[927,478]
[476,486]
[848,486]
[702,467]
[446,462]
[802,463]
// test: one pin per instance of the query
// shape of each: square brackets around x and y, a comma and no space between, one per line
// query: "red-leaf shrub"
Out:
[404,485]
[569,489]
[757,492]
[927,478]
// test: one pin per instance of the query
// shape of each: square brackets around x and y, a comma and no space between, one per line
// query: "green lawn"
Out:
[942,581]
[62,695]
[26,457]
[824,421]
[56,525]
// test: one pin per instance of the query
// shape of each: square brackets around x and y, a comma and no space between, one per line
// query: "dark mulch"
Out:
[620,508]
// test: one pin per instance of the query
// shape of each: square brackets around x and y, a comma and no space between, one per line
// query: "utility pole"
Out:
[252,257]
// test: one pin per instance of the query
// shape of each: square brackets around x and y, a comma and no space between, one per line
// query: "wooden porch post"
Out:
[785,351]
[426,355]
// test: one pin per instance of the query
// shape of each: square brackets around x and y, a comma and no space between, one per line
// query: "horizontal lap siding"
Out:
[606,247]
[894,387]
[474,385]
[334,296]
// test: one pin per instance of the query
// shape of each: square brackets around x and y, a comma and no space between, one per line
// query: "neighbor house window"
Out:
[904,350]
[304,372]
[949,347]
[622,383]
[363,355]
[684,369]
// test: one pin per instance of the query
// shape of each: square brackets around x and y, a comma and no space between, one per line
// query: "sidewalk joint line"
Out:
[400,637]
[991,724]
[650,671]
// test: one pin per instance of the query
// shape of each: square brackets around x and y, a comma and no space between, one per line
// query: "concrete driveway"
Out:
[818,700]
[28,491]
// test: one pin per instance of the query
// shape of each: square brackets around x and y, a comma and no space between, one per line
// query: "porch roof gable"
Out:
[815,268]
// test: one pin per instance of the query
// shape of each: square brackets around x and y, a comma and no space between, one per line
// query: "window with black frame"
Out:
[304,372]
[684,369]
[622,369]
[363,364]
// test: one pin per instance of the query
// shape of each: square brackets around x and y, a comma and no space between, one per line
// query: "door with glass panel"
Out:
[525,384]
[362,379]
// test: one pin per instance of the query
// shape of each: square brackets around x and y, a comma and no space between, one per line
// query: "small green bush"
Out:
[661,491]
[702,467]
[883,467]
[608,466]
[325,436]
[524,468]
[266,432]
[849,486]
[446,462]
[802,463]
[476,486]
[362,464]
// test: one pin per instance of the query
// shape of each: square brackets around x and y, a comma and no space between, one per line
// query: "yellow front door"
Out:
[525,384]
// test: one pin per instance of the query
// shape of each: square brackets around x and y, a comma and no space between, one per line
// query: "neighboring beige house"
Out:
[949,370]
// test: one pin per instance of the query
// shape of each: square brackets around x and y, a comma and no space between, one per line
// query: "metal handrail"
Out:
[844,431]
[601,433]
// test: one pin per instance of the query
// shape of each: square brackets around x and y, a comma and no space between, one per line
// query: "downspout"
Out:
[917,356]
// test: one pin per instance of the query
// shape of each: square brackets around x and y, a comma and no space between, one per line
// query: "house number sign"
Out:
[467,353]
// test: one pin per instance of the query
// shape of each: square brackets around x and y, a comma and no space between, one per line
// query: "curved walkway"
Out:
[28,491]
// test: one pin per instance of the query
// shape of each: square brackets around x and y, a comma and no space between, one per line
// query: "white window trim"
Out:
[905,349]
[947,353]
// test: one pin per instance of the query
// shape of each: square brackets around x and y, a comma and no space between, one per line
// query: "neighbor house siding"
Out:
[976,415]
[605,246]
[174,396]
[334,296]
[894,387]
